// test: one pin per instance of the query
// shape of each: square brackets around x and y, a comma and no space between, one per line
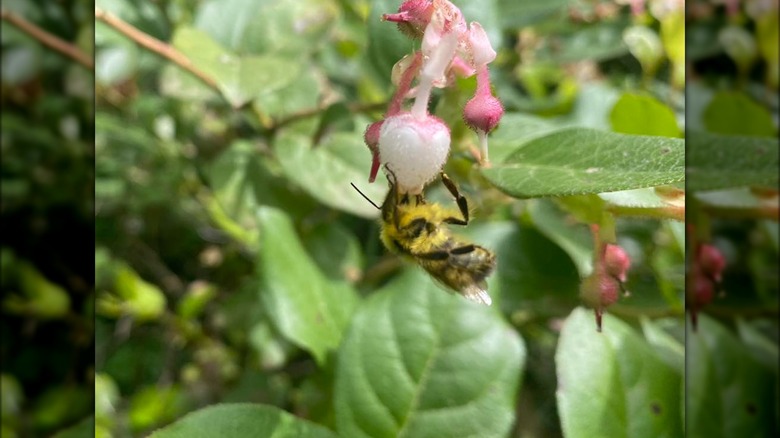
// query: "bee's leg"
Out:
[460,199]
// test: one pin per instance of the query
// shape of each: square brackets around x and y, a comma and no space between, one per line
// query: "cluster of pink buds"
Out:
[610,268]
[706,275]
[413,144]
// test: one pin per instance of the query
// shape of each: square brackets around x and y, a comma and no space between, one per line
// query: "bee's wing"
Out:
[477,293]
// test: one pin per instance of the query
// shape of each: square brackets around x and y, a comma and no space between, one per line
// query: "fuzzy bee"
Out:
[419,231]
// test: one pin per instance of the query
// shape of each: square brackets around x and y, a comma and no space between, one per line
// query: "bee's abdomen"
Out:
[478,261]
[459,265]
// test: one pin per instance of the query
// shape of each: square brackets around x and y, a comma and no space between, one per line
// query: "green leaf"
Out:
[701,39]
[418,362]
[229,177]
[532,270]
[240,78]
[668,348]
[575,240]
[722,161]
[60,405]
[386,45]
[581,161]
[242,179]
[326,171]
[596,42]
[515,14]
[741,198]
[636,198]
[593,106]
[662,201]
[764,349]
[144,300]
[11,394]
[20,65]
[518,129]
[673,35]
[114,65]
[153,405]
[40,297]
[309,309]
[293,27]
[487,13]
[641,114]
[734,113]
[612,383]
[336,250]
[299,95]
[729,393]
[241,420]
[175,82]
[667,261]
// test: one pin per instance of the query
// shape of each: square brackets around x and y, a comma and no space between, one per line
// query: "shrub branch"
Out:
[153,44]
[49,40]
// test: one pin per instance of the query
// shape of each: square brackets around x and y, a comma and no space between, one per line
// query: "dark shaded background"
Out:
[47,221]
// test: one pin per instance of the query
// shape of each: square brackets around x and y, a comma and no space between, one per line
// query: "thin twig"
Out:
[49,40]
[159,47]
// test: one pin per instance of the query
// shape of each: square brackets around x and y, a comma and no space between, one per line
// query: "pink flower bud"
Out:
[616,262]
[699,295]
[602,287]
[711,261]
[703,291]
[599,291]
[483,112]
[414,149]
[412,17]
[609,290]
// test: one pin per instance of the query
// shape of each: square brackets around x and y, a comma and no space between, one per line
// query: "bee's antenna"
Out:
[365,197]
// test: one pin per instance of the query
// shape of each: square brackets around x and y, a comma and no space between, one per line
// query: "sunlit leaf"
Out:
[418,362]
[612,383]
[307,307]
[641,114]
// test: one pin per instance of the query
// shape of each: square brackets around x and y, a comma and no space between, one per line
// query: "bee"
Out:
[419,232]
